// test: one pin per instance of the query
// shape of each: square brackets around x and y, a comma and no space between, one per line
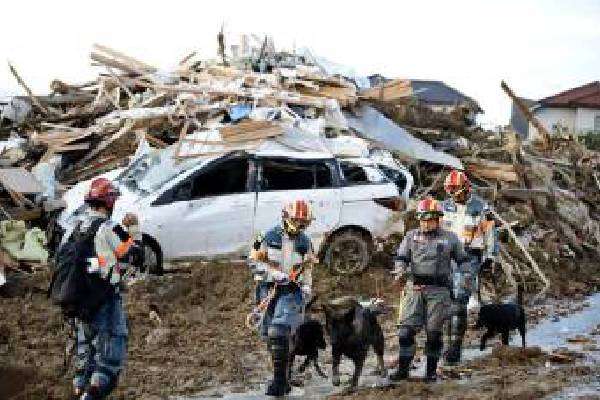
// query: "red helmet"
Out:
[429,208]
[296,216]
[456,181]
[298,210]
[102,191]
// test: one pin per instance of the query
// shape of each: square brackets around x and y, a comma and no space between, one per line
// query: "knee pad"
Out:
[434,343]
[406,336]
[278,330]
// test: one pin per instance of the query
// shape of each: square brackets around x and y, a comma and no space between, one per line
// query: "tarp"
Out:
[375,126]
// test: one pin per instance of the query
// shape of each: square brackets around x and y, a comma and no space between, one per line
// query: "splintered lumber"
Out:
[346,96]
[34,99]
[389,91]
[127,127]
[250,130]
[492,170]
[124,59]
[515,238]
[528,114]
[109,62]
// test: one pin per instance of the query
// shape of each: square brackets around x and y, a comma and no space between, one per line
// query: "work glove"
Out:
[279,277]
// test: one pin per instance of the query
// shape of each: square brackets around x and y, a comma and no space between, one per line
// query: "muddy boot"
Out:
[279,386]
[403,369]
[431,373]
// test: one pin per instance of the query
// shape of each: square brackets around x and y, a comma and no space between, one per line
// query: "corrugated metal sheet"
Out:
[375,126]
[20,180]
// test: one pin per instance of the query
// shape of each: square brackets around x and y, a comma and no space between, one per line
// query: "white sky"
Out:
[538,47]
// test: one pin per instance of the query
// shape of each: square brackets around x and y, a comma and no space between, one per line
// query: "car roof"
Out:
[305,155]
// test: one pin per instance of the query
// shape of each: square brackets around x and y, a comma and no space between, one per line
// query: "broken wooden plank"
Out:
[127,127]
[393,90]
[22,83]
[546,139]
[125,58]
[533,263]
[72,147]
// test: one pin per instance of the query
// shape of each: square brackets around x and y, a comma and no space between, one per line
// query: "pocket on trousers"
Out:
[112,350]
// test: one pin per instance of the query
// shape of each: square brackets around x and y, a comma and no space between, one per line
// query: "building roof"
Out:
[437,92]
[582,96]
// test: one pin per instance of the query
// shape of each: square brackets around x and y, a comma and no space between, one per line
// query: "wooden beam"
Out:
[124,57]
[22,83]
[546,140]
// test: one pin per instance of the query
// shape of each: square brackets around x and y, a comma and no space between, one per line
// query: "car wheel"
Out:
[348,253]
[152,256]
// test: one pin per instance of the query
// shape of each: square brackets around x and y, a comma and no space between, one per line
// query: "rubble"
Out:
[545,197]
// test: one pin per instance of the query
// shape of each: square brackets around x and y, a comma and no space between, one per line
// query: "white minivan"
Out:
[212,208]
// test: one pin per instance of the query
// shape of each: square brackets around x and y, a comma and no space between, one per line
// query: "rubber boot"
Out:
[403,369]
[92,393]
[453,354]
[279,386]
[431,372]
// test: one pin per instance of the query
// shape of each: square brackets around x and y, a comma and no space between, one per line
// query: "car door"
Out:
[211,211]
[282,180]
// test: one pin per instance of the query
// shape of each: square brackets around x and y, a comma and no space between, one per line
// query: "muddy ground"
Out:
[199,341]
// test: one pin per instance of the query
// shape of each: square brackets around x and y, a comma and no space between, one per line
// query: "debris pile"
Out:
[544,195]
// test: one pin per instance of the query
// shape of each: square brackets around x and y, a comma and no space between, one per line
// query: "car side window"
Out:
[356,174]
[283,174]
[221,178]
[324,175]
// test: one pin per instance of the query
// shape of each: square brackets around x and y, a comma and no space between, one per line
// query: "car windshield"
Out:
[153,169]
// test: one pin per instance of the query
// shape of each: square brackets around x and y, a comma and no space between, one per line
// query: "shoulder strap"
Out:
[94,226]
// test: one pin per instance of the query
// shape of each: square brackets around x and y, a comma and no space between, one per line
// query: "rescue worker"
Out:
[101,342]
[468,217]
[424,258]
[281,261]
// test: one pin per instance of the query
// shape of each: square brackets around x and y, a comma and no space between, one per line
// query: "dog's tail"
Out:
[520,294]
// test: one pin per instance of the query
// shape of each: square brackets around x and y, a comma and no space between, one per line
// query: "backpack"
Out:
[78,293]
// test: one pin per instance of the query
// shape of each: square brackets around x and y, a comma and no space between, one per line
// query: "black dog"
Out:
[309,339]
[502,318]
[352,329]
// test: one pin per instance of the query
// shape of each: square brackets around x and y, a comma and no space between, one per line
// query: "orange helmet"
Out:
[296,216]
[429,208]
[456,181]
[102,191]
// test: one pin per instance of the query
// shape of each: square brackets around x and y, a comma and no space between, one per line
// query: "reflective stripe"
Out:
[101,261]
[123,248]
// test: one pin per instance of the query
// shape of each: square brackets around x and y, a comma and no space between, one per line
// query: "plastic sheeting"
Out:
[45,172]
[375,126]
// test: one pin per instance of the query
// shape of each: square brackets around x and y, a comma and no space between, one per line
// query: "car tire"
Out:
[153,262]
[348,253]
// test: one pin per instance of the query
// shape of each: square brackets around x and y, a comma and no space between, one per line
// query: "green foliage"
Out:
[591,140]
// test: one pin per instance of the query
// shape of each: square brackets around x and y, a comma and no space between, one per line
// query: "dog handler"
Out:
[284,286]
[424,256]
[468,217]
